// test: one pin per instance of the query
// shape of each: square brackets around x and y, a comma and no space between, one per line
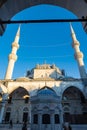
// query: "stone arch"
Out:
[74,100]
[46,108]
[73,90]
[12,89]
[19,99]
[46,87]
[78,86]
[25,109]
[66,109]
[35,109]
[20,91]
[10,8]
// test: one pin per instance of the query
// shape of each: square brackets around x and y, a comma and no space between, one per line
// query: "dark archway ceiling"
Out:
[9,8]
[73,93]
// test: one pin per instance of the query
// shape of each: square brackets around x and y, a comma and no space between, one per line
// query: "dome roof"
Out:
[46,91]
[22,79]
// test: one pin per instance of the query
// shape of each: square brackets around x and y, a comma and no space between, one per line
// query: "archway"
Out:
[38,36]
[19,104]
[9,8]
[74,102]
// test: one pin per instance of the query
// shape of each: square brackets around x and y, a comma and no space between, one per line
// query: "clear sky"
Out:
[43,42]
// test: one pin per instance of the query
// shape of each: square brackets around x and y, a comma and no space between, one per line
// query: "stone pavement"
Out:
[15,127]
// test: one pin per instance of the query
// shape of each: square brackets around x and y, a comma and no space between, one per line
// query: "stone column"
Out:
[39,120]
[61,116]
[52,119]
[4,97]
[2,111]
[29,113]
[31,121]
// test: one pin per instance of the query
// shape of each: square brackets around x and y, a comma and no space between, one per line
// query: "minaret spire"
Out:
[17,35]
[13,56]
[78,54]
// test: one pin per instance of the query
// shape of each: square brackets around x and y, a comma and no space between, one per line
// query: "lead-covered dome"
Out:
[46,92]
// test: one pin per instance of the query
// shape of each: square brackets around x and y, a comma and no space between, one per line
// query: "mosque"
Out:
[45,98]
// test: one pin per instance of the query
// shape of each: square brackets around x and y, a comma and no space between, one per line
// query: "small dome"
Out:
[22,79]
[46,91]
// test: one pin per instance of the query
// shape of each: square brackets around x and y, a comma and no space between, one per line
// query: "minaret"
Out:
[78,54]
[13,57]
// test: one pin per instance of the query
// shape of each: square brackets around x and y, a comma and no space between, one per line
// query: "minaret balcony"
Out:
[13,56]
[15,45]
[78,55]
[76,43]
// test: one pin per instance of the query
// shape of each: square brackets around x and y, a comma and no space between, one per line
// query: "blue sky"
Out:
[43,42]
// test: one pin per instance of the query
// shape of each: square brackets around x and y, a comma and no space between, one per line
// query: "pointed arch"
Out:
[20,91]
[46,88]
[72,90]
[46,108]
[20,99]
[25,109]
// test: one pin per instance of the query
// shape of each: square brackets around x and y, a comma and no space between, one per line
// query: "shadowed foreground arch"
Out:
[9,8]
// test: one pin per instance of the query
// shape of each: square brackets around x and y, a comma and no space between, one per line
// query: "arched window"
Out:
[56,119]
[46,119]
[66,113]
[25,109]
[66,109]
[7,115]
[25,114]
[35,119]
[66,116]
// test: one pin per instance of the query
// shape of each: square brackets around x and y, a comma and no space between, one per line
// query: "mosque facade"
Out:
[45,98]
